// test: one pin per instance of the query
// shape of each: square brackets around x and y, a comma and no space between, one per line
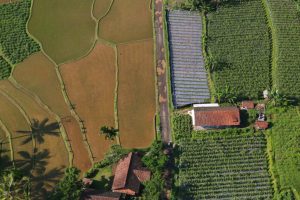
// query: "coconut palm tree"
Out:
[277,99]
[109,132]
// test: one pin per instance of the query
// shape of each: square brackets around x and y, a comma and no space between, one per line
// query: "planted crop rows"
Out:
[286,24]
[15,44]
[5,68]
[189,80]
[225,166]
[239,44]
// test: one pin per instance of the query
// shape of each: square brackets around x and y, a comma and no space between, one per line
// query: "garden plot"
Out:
[225,166]
[189,78]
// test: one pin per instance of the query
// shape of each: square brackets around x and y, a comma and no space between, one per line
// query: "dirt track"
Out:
[162,73]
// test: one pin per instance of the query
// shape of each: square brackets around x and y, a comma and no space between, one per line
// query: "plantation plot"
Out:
[189,79]
[127,20]
[90,83]
[286,23]
[101,7]
[15,44]
[239,44]
[225,166]
[64,27]
[5,68]
[136,98]
[16,124]
[38,75]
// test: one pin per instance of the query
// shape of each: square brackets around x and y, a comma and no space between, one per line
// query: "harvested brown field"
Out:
[15,122]
[38,75]
[127,20]
[136,100]
[90,83]
[54,144]
[101,7]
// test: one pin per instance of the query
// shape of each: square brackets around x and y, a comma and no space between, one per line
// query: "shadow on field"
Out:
[39,129]
[103,184]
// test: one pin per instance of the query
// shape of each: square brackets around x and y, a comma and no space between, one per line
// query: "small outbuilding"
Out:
[129,175]
[247,105]
[91,194]
[261,125]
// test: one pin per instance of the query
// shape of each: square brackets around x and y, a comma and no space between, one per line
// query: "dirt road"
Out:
[162,73]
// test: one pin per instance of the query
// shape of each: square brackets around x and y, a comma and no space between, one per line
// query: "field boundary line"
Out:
[274,43]
[205,54]
[74,113]
[92,11]
[46,108]
[27,119]
[8,135]
[116,96]
[135,41]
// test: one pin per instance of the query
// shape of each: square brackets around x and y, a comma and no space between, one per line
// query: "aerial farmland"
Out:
[149,99]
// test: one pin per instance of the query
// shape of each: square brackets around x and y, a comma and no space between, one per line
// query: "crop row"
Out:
[225,166]
[238,42]
[15,44]
[286,24]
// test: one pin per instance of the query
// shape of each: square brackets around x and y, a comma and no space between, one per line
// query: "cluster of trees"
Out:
[5,68]
[15,43]
[202,5]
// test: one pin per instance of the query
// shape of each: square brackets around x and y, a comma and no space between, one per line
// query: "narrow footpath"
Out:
[162,73]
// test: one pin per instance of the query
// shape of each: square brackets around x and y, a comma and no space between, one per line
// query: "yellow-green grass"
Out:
[136,99]
[127,20]
[14,121]
[101,7]
[64,27]
[38,75]
[90,83]
[58,156]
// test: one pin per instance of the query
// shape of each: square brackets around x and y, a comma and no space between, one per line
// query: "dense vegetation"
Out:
[225,166]
[5,68]
[182,126]
[239,50]
[15,43]
[285,20]
[285,142]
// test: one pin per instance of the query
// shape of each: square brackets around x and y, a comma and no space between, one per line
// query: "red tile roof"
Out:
[261,125]
[248,104]
[217,116]
[129,175]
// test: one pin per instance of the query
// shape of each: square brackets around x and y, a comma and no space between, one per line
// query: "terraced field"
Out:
[64,35]
[286,38]
[101,7]
[239,44]
[189,78]
[225,166]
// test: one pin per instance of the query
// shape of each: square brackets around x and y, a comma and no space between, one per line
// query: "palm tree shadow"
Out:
[39,129]
[44,182]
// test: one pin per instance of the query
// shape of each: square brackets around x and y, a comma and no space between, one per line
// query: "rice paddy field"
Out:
[239,43]
[136,102]
[64,35]
[63,78]
[126,21]
[90,83]
[285,22]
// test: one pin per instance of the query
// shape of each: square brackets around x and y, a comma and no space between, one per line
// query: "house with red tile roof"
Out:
[91,194]
[215,117]
[247,105]
[129,175]
[261,125]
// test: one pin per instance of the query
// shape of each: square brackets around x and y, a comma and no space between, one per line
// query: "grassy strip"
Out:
[274,43]
[116,111]
[206,55]
[46,108]
[8,134]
